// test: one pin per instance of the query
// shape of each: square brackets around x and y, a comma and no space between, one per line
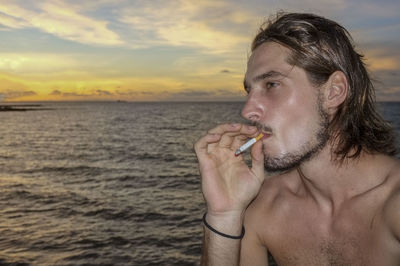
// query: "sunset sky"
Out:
[168,50]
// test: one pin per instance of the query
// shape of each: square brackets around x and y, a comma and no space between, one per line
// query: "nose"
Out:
[253,109]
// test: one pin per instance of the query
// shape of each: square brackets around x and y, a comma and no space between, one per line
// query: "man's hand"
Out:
[228,183]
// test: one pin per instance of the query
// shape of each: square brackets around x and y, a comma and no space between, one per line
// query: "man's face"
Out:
[284,104]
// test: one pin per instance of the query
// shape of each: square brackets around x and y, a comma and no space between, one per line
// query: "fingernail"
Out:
[251,127]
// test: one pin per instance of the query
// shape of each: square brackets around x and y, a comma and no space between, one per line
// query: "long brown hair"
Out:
[321,46]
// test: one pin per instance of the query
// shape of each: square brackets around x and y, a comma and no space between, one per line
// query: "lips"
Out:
[266,135]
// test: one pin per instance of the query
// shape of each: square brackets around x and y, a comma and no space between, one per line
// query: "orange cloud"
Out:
[60,19]
[383,63]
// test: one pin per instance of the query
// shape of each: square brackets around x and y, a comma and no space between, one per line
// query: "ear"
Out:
[336,90]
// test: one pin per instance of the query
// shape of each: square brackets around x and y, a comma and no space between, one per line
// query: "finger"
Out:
[201,146]
[251,131]
[239,141]
[257,160]
[246,132]
[229,132]
[234,129]
[225,128]
[226,140]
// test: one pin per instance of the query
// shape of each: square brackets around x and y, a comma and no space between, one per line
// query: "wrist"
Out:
[230,223]
[212,229]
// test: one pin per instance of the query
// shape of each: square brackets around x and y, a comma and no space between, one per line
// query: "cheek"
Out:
[295,137]
[293,133]
[296,127]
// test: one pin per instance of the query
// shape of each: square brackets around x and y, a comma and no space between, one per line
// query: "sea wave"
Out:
[106,183]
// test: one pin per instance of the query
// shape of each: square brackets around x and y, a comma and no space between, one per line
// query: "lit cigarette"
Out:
[248,144]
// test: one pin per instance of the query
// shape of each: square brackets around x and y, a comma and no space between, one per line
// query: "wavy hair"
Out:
[321,46]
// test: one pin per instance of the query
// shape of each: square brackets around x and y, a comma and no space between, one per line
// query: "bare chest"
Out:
[353,239]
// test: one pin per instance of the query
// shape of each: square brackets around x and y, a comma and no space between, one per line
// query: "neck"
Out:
[331,183]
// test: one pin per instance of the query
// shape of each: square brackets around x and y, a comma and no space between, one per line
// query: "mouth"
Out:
[265,130]
[266,134]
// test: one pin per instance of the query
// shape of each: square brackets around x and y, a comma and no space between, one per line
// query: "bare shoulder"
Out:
[274,187]
[268,209]
[391,208]
[276,191]
[260,220]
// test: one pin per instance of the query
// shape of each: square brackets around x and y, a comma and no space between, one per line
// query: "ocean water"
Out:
[107,183]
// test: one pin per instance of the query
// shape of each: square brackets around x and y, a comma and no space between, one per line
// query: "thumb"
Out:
[257,160]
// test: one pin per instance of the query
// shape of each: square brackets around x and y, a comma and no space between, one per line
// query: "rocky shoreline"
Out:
[22,107]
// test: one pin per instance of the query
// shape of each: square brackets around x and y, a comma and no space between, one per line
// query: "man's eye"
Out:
[272,85]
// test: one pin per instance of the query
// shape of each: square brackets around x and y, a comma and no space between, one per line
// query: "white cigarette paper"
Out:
[248,144]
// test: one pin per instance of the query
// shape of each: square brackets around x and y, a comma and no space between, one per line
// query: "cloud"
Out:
[86,93]
[103,93]
[383,63]
[77,95]
[47,66]
[387,84]
[382,56]
[37,63]
[193,49]
[7,63]
[193,93]
[12,21]
[55,93]
[207,24]
[16,94]
[59,18]
[8,84]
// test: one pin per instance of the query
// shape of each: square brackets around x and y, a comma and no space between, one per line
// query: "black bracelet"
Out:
[220,233]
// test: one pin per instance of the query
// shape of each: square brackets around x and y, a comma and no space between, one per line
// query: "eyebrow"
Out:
[269,74]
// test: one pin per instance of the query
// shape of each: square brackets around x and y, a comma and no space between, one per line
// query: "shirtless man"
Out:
[334,197]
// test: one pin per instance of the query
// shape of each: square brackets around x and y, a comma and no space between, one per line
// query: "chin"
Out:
[280,165]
